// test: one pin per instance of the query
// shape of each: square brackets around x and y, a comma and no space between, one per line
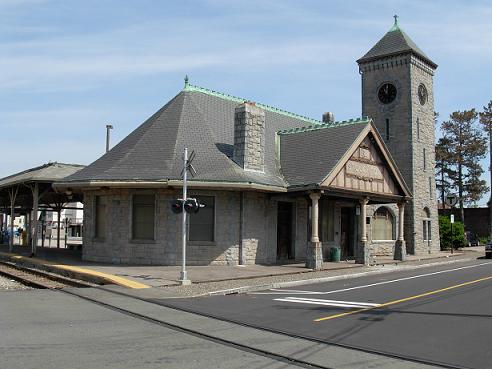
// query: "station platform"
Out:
[69,262]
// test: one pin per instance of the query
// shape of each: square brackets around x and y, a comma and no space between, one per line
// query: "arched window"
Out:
[426,224]
[383,226]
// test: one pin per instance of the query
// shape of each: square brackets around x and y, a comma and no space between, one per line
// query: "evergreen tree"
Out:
[467,146]
[486,120]
[444,168]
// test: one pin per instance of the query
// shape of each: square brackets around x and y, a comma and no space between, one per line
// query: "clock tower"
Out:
[397,93]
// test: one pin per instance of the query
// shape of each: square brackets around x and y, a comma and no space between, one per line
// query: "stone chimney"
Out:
[328,117]
[249,137]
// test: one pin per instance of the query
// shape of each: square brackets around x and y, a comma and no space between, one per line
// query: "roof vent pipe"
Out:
[328,117]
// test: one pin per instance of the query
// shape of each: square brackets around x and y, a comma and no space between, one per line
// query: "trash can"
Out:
[335,254]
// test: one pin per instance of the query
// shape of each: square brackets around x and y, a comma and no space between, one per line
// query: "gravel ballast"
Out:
[11,285]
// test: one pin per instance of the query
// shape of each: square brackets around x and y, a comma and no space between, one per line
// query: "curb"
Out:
[387,269]
[74,272]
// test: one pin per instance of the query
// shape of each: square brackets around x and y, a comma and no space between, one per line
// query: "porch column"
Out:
[314,257]
[363,252]
[400,246]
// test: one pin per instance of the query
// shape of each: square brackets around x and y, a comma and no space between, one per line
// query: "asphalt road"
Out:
[42,329]
[440,314]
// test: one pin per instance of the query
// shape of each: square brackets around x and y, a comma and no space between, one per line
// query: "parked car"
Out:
[488,250]
[472,239]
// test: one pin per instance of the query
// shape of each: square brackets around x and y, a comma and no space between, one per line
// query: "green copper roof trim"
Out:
[396,26]
[324,126]
[191,88]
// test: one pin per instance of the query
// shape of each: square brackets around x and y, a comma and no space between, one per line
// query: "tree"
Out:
[444,171]
[486,120]
[467,146]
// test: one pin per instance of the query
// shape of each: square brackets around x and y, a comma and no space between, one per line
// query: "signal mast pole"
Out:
[183,278]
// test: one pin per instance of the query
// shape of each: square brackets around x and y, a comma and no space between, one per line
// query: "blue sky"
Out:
[70,67]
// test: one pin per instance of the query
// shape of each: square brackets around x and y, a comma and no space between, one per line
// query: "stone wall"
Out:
[258,231]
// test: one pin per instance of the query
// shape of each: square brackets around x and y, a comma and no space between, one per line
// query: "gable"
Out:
[366,170]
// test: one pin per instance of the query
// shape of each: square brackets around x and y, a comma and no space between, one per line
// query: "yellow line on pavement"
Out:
[109,278]
[402,300]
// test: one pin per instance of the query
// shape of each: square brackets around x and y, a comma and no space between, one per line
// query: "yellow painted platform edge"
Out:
[107,277]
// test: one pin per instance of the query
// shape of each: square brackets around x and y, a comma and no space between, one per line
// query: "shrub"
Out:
[458,239]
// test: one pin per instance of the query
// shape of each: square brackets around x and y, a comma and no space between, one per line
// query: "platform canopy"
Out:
[23,183]
[32,190]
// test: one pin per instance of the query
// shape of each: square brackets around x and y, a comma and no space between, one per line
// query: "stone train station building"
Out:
[277,187]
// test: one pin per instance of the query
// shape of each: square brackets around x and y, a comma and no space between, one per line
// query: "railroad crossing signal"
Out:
[191,205]
[177,206]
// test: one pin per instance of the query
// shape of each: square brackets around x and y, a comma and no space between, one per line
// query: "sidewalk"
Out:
[163,280]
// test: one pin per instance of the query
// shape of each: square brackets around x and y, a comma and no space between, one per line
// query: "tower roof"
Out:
[395,42]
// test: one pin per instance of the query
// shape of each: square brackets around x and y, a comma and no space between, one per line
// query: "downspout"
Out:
[241,260]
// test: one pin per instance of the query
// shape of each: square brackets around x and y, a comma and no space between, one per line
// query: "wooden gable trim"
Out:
[382,151]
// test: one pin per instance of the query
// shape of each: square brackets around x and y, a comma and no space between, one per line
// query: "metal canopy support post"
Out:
[12,196]
[34,218]
[58,212]
[28,227]
[183,278]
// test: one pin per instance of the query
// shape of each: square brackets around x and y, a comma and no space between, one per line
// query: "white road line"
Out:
[292,292]
[404,279]
[361,304]
[280,291]
[324,302]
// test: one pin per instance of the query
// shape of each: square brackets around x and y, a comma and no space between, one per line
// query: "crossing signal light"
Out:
[177,206]
[192,206]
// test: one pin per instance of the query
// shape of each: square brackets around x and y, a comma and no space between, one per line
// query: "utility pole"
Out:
[183,278]
[108,128]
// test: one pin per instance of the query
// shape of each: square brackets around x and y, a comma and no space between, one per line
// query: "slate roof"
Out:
[202,120]
[45,173]
[395,42]
[308,155]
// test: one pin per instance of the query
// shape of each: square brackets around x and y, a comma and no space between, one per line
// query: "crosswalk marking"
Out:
[335,303]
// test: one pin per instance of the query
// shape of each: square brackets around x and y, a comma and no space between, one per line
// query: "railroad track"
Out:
[37,278]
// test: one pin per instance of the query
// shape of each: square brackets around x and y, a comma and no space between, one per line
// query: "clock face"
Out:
[387,93]
[422,92]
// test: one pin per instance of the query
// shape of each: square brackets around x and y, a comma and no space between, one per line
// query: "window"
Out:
[100,215]
[383,225]
[430,187]
[426,225]
[418,129]
[143,215]
[425,159]
[387,129]
[202,224]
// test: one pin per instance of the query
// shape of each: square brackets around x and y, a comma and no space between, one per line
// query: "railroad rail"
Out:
[38,279]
